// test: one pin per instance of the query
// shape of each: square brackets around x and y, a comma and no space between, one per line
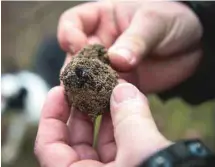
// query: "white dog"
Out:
[23,94]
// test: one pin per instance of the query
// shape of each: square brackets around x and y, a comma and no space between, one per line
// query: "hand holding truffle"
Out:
[127,136]
[159,47]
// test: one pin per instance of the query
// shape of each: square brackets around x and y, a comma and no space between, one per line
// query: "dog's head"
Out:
[13,93]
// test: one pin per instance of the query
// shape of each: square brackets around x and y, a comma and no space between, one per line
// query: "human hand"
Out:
[127,135]
[155,44]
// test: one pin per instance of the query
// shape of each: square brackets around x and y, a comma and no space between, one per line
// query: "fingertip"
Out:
[55,91]
[124,97]
[70,38]
[123,92]
[121,62]
[56,95]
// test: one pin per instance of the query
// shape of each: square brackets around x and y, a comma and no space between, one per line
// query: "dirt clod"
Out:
[89,80]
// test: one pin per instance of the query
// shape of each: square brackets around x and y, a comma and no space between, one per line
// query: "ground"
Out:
[24,24]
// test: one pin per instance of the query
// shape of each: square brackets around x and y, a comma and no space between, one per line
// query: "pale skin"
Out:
[156,44]
[127,136]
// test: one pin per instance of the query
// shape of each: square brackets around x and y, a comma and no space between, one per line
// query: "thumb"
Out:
[144,33]
[136,134]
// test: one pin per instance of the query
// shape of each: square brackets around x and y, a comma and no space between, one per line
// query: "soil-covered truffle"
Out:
[89,80]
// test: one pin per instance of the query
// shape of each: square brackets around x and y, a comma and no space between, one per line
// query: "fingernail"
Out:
[124,92]
[125,53]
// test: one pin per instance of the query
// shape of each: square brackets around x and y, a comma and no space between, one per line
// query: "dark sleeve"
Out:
[184,153]
[200,86]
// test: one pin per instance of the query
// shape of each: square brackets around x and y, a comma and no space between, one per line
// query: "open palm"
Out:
[127,136]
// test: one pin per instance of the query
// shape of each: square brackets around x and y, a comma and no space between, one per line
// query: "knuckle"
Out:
[154,16]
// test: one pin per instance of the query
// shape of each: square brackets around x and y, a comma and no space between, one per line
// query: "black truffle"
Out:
[89,80]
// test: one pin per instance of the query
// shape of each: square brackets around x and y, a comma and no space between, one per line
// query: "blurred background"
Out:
[29,55]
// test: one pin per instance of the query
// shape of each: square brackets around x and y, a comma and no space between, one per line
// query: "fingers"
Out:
[161,75]
[145,31]
[55,109]
[136,134]
[87,163]
[106,140]
[87,24]
[81,135]
[75,24]
[106,145]
[53,132]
